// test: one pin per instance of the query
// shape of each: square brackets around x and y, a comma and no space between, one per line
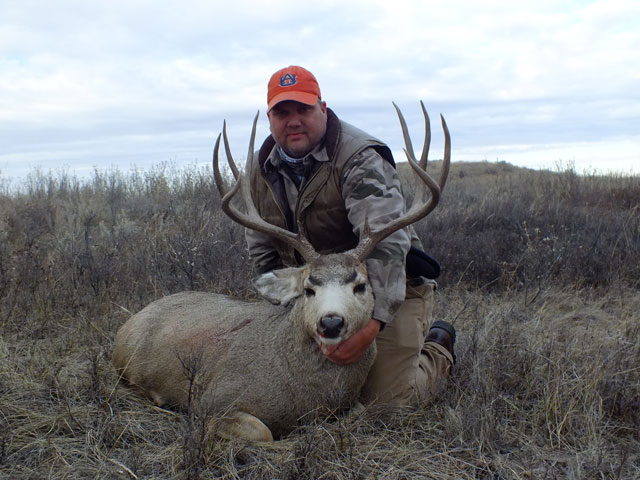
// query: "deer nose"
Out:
[331,325]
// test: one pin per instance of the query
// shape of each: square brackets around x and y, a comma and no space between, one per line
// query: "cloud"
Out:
[142,81]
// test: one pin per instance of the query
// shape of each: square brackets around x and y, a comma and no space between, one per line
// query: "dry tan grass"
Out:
[547,389]
[548,380]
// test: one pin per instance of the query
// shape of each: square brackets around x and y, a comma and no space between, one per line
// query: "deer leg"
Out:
[240,425]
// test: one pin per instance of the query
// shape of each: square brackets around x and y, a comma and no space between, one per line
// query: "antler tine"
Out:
[252,211]
[427,137]
[222,189]
[446,160]
[419,209]
[227,149]
[252,218]
[405,133]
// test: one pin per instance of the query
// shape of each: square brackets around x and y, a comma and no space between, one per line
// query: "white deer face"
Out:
[333,292]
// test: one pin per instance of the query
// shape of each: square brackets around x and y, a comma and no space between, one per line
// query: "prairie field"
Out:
[540,276]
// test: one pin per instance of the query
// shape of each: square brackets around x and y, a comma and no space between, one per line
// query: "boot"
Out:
[444,334]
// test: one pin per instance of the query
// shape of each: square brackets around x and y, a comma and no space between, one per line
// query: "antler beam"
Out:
[252,219]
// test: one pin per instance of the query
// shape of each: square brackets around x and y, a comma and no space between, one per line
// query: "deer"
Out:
[260,371]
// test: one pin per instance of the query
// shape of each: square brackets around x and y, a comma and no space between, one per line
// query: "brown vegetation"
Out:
[540,276]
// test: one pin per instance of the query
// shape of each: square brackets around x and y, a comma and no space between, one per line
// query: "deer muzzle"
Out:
[331,326]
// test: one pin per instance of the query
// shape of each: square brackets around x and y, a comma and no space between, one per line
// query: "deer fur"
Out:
[259,366]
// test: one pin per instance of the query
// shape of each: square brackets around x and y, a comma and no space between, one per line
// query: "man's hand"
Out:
[352,348]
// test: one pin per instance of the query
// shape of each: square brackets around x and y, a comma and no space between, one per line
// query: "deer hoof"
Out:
[240,426]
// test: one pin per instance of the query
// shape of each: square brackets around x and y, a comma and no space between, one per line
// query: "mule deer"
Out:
[260,369]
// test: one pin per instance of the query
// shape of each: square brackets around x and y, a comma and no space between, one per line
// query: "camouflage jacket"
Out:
[346,178]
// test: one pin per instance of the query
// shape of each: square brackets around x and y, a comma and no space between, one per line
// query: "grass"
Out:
[540,278]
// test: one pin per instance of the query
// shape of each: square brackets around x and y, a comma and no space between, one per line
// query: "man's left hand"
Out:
[352,348]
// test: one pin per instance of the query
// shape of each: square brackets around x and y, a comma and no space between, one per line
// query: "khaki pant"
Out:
[407,370]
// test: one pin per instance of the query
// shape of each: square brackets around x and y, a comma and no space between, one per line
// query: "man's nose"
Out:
[294,120]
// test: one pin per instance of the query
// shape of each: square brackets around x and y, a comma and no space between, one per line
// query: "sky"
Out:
[131,85]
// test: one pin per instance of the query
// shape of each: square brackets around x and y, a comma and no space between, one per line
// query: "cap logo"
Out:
[288,80]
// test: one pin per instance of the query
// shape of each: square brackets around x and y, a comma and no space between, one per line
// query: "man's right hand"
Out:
[352,349]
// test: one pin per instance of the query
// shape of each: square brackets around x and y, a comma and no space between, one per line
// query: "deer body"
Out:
[256,366]
[252,358]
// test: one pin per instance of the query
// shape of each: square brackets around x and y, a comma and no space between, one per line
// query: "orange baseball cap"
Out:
[293,83]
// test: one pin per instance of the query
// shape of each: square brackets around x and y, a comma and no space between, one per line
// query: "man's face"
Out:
[298,127]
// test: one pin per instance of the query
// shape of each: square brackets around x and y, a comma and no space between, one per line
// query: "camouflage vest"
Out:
[320,206]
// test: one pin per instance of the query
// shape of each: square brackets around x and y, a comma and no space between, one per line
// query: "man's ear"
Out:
[280,286]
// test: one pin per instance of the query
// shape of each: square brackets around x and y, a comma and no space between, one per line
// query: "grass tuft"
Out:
[540,278]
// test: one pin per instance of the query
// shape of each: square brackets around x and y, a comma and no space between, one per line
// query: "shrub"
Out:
[540,277]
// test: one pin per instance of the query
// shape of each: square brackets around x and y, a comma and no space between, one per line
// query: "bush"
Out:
[501,228]
[540,277]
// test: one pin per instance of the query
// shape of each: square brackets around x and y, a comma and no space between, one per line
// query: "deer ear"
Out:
[280,286]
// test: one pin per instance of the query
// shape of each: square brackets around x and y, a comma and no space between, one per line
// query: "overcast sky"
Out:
[131,84]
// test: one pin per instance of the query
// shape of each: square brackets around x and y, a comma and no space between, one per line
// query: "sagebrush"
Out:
[540,277]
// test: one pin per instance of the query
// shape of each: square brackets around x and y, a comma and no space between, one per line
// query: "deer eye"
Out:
[309,292]
[361,288]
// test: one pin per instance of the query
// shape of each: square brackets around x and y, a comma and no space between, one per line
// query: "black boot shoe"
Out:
[444,334]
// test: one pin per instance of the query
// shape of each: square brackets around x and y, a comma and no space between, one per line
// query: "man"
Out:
[329,175]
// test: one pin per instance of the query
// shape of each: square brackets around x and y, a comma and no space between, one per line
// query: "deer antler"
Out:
[252,219]
[419,209]
[368,239]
